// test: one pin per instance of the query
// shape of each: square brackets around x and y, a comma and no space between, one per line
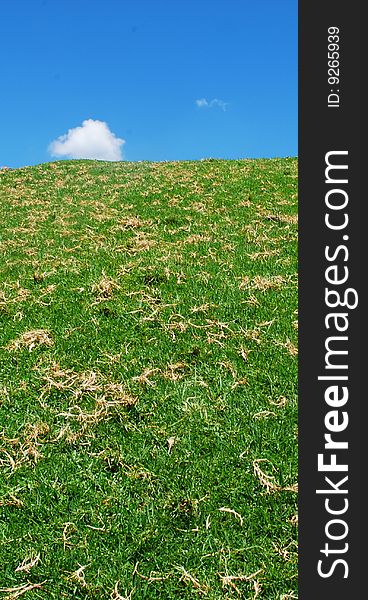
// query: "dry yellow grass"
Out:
[104,288]
[31,339]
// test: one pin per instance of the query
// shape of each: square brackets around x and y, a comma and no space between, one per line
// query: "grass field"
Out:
[148,410]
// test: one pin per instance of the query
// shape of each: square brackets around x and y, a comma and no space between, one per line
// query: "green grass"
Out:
[161,385]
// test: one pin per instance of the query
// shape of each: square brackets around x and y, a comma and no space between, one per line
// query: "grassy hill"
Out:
[148,380]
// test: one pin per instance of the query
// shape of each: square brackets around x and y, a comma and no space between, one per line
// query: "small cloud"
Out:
[202,102]
[219,103]
[216,102]
[93,139]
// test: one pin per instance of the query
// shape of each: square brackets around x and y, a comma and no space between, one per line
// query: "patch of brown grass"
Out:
[229,581]
[262,283]
[144,377]
[202,308]
[68,530]
[270,282]
[104,288]
[11,500]
[263,255]
[31,339]
[199,207]
[292,219]
[264,414]
[175,371]
[139,244]
[255,233]
[197,238]
[230,367]
[24,450]
[285,552]
[189,579]
[58,378]
[78,576]
[253,334]
[19,590]
[105,406]
[79,384]
[176,326]
[289,346]
[237,515]
[152,576]
[109,397]
[21,295]
[281,402]
[28,563]
[269,481]
[132,223]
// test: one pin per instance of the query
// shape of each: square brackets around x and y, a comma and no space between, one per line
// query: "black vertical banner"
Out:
[332,301]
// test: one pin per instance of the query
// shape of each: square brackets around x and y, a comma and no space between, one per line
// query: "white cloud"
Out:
[204,103]
[93,139]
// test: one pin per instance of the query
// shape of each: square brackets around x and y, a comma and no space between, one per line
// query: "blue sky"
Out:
[140,66]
